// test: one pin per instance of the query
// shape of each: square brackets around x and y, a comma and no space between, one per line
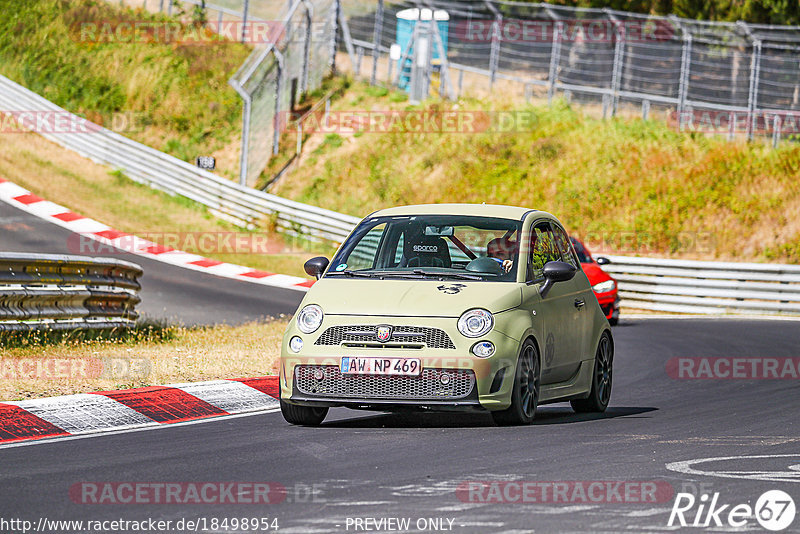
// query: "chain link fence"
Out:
[732,78]
[294,62]
[294,44]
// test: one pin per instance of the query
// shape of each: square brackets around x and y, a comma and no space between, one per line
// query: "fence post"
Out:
[299,147]
[776,131]
[494,56]
[376,37]
[683,84]
[359,57]
[645,109]
[161,6]
[555,58]
[616,73]
[276,124]
[245,10]
[334,44]
[752,95]
[243,163]
[306,49]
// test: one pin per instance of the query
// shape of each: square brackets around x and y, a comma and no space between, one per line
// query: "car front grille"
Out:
[405,336]
[426,386]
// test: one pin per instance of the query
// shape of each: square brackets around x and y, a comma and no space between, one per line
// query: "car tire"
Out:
[303,415]
[525,391]
[602,376]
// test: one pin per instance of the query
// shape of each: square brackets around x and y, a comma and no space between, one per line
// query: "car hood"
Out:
[594,273]
[412,298]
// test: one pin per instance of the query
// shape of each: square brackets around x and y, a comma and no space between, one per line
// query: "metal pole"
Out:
[616,73]
[334,44]
[376,37]
[752,96]
[245,10]
[645,109]
[460,81]
[306,50]
[683,84]
[299,138]
[359,57]
[555,58]
[494,56]
[776,131]
[161,6]
[276,126]
[245,133]
[731,126]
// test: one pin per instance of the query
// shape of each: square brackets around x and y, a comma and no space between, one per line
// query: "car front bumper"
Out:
[471,383]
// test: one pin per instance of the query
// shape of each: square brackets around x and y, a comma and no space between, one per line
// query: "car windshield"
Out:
[583,255]
[431,246]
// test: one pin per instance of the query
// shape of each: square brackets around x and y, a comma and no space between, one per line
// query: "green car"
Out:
[448,307]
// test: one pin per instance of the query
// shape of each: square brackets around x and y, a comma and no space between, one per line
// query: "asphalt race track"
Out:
[168,292]
[381,466]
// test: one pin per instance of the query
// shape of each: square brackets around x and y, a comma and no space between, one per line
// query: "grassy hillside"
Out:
[177,94]
[625,184]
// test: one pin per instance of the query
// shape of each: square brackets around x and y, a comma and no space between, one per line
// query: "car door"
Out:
[584,299]
[557,311]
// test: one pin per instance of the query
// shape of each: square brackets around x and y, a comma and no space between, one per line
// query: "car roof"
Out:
[481,210]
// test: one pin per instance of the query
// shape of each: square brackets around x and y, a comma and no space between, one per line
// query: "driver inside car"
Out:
[502,250]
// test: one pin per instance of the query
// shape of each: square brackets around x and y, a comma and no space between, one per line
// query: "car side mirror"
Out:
[602,260]
[556,271]
[316,266]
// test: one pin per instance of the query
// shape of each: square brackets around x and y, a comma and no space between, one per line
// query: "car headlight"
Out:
[475,323]
[309,318]
[604,287]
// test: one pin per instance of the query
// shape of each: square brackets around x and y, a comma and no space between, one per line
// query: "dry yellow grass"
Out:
[211,353]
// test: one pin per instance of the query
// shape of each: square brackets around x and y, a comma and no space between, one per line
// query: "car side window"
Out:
[562,241]
[543,249]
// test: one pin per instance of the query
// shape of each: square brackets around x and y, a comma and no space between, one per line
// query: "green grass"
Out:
[629,185]
[177,94]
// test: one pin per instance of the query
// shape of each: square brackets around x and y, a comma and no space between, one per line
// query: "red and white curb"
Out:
[106,411]
[23,199]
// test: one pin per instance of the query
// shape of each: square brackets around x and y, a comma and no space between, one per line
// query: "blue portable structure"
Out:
[406,22]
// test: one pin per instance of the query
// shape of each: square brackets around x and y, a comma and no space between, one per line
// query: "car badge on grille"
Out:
[384,333]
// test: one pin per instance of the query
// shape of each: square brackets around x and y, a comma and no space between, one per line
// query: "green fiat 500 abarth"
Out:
[448,307]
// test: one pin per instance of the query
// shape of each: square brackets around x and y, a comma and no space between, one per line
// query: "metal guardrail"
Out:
[241,205]
[61,292]
[706,287]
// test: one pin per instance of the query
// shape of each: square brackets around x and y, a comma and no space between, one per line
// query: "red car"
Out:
[603,285]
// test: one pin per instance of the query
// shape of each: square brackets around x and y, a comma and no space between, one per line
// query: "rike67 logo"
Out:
[774,510]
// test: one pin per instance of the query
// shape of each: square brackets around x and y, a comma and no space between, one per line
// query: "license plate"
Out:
[381,366]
